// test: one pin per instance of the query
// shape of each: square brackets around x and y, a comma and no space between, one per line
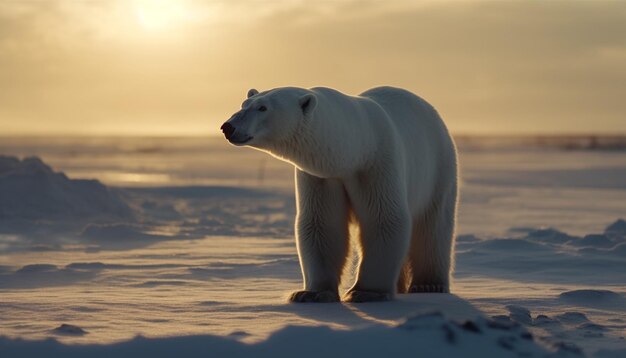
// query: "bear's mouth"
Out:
[240,141]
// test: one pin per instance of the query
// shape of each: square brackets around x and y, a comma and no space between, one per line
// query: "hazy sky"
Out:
[182,67]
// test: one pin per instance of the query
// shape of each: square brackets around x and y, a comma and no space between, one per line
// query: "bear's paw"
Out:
[357,296]
[314,296]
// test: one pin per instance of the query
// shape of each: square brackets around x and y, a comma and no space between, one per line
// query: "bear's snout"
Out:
[227,129]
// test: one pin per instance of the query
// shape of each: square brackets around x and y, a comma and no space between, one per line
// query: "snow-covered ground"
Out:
[190,245]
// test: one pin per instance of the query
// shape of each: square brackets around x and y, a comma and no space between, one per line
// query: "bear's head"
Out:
[270,117]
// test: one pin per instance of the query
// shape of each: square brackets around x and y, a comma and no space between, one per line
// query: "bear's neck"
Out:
[323,152]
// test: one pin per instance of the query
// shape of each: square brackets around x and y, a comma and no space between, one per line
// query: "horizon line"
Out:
[213,135]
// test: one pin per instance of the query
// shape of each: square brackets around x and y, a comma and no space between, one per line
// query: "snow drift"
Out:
[31,190]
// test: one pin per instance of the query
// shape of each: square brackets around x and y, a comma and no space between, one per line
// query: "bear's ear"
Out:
[308,103]
[252,92]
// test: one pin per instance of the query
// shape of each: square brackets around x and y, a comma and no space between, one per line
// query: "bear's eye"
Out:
[262,108]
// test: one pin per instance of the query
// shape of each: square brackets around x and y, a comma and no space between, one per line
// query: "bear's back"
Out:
[430,153]
[414,118]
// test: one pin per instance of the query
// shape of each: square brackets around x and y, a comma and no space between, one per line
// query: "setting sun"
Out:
[157,15]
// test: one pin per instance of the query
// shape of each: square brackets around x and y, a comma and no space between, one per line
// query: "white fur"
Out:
[383,159]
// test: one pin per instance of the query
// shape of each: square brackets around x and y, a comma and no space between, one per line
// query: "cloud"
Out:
[487,66]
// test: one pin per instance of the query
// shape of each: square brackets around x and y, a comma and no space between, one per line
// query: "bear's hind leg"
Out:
[385,226]
[383,248]
[321,236]
[431,249]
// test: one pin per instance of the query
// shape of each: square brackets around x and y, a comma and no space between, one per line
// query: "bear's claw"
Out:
[314,296]
[367,296]
[432,288]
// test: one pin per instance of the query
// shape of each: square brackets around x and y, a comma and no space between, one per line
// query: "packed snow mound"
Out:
[69,329]
[548,236]
[31,190]
[618,227]
[592,296]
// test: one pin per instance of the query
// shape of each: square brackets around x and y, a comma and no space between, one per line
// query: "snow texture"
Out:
[433,335]
[189,249]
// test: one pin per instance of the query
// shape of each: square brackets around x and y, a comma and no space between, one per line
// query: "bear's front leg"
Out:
[321,236]
[385,227]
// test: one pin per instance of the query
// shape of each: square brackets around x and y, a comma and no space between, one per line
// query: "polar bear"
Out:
[382,160]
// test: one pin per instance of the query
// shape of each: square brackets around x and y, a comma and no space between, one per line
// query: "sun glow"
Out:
[156,15]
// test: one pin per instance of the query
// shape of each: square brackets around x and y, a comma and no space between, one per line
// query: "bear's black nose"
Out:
[227,129]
